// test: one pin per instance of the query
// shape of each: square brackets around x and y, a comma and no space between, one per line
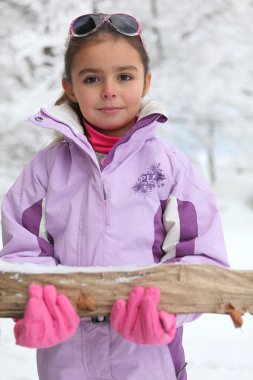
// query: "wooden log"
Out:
[184,288]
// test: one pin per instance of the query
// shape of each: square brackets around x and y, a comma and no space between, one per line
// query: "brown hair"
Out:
[75,43]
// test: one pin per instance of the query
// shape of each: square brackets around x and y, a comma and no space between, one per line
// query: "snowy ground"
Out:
[214,348]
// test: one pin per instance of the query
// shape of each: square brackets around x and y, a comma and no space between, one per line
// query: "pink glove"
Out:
[140,321]
[49,318]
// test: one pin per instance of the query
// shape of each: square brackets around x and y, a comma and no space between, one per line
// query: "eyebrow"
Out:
[94,70]
[127,67]
[88,70]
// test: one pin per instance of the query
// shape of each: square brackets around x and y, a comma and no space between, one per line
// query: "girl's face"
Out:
[108,82]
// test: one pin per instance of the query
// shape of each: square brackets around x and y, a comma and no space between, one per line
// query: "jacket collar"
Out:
[65,114]
[65,121]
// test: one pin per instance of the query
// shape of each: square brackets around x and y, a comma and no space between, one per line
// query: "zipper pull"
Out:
[104,193]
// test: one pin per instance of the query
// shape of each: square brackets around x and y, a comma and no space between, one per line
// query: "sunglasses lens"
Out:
[124,23]
[86,24]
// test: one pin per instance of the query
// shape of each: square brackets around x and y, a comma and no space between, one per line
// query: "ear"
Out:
[68,88]
[147,83]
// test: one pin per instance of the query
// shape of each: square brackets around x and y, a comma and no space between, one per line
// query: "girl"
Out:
[112,194]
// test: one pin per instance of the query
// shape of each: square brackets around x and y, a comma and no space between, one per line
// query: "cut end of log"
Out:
[235,315]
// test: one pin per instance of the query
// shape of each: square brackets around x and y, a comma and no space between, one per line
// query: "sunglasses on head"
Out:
[87,24]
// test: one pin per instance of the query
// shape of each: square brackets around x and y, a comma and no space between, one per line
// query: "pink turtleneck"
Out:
[100,143]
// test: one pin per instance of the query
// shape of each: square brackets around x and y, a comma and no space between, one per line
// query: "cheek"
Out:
[87,100]
[135,94]
[86,109]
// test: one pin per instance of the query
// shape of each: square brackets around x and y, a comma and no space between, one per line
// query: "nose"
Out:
[109,90]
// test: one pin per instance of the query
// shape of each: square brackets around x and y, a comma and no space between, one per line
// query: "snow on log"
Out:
[184,288]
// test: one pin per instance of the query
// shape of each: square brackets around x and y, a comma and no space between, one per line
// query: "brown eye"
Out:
[91,80]
[125,77]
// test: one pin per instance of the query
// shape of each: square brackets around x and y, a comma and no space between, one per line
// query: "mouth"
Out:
[110,110]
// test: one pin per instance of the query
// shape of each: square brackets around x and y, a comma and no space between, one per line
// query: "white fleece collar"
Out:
[68,116]
[149,107]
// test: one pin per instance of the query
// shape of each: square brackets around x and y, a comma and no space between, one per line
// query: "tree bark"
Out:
[184,289]
[156,31]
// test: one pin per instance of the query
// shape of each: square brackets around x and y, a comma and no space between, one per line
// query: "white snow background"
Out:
[204,78]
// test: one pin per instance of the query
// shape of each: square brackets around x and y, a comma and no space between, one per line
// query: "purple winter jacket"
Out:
[145,205]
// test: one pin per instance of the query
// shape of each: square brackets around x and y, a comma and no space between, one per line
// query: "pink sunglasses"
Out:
[89,23]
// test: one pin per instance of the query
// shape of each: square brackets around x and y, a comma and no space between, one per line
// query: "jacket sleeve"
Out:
[22,215]
[191,220]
